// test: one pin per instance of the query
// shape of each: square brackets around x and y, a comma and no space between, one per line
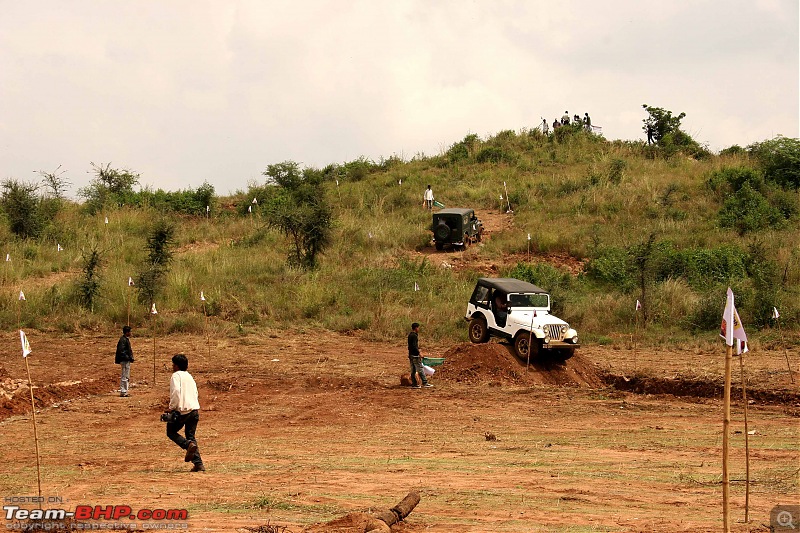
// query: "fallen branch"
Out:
[382,521]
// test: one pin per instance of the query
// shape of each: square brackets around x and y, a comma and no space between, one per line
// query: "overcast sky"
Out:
[189,91]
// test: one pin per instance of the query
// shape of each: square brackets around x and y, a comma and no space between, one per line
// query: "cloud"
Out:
[184,92]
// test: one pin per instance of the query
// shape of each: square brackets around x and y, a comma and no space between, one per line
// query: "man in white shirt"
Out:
[184,403]
[428,197]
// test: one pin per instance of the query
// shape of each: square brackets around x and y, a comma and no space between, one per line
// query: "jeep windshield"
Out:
[539,300]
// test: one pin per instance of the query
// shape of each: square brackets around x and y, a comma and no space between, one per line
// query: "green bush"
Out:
[780,159]
[747,210]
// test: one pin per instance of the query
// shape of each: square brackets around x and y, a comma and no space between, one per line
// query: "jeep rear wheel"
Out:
[439,246]
[524,347]
[478,332]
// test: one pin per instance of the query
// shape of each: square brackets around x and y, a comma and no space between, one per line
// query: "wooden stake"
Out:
[35,434]
[785,351]
[726,422]
[746,443]
[129,305]
[530,344]
[154,350]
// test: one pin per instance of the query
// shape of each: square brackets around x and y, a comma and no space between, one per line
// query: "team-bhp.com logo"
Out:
[121,517]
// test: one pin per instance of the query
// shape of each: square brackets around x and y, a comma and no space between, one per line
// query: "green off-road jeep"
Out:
[456,227]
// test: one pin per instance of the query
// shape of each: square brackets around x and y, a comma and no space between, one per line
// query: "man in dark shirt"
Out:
[124,358]
[415,359]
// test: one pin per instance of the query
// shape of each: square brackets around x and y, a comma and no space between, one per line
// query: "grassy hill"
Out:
[668,229]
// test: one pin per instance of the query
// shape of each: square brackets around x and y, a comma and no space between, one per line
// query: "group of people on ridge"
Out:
[585,122]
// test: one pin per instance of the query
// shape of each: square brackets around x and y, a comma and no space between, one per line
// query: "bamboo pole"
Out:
[726,422]
[154,350]
[746,443]
[530,343]
[129,305]
[35,433]
[785,351]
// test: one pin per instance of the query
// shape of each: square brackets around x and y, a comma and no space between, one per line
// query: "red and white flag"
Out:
[130,282]
[26,346]
[775,313]
[731,327]
[638,305]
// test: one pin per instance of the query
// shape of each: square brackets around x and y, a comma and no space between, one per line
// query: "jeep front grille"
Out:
[555,332]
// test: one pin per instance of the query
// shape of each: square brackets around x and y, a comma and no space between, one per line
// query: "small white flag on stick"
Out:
[775,313]
[416,287]
[254,201]
[399,182]
[130,282]
[26,346]
[202,297]
[106,220]
[153,310]
[731,327]
[249,208]
[501,197]
[22,296]
[208,208]
[59,248]
[337,183]
[8,257]
[638,305]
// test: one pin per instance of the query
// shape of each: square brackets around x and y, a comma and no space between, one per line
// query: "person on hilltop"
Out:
[545,126]
[428,198]
[577,120]
[415,358]
[124,358]
[184,411]
[587,122]
[556,124]
[565,119]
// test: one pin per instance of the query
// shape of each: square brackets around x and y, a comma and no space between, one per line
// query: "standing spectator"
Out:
[428,197]
[556,124]
[124,358]
[545,127]
[577,120]
[184,408]
[587,122]
[565,119]
[650,134]
[415,359]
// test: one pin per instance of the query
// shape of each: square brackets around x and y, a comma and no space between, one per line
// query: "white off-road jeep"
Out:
[520,312]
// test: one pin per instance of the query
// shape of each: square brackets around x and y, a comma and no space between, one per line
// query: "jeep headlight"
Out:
[546,337]
[563,329]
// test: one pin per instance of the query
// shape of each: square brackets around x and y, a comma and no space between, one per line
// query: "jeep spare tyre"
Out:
[442,231]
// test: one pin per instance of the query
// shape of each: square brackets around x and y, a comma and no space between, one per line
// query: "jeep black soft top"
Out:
[461,211]
[509,285]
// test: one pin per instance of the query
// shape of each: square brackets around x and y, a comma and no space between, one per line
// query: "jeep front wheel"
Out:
[524,347]
[478,332]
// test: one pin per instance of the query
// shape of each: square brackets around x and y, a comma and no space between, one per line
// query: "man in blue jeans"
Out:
[415,358]
[185,406]
[124,358]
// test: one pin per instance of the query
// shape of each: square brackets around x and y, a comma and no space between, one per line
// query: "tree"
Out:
[159,256]
[89,283]
[780,159]
[56,182]
[300,211]
[109,185]
[660,122]
[22,208]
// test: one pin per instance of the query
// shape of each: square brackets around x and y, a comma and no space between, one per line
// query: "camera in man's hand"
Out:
[170,417]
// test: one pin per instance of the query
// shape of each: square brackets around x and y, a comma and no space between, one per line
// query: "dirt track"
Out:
[305,428]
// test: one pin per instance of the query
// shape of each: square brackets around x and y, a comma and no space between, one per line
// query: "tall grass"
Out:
[576,194]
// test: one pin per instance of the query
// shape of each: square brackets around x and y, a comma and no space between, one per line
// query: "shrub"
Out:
[747,210]
[780,159]
[23,209]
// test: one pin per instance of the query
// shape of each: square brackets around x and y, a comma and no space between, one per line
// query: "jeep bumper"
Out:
[559,344]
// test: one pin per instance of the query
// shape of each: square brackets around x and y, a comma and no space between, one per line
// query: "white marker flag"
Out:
[153,310]
[731,327]
[22,296]
[202,297]
[8,257]
[130,282]
[26,346]
[106,220]
[399,182]
[775,313]
[638,305]
[59,248]
[249,208]
[254,201]
[208,208]
[416,287]
[337,183]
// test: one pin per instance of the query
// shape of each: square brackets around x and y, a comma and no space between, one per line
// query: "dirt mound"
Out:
[495,362]
[15,399]
[351,523]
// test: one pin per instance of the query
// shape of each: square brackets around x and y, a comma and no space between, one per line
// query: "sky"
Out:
[190,91]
